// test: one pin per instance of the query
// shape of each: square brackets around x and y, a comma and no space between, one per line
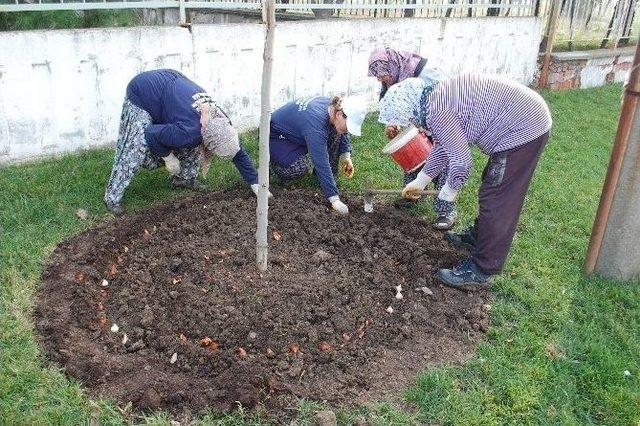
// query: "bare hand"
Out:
[391,131]
[348,169]
[204,115]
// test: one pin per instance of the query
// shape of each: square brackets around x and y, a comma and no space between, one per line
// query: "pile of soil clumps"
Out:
[165,308]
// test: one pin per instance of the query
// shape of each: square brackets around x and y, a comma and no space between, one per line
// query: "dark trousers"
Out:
[505,181]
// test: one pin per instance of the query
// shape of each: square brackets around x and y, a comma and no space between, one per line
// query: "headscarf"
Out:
[406,103]
[219,136]
[398,64]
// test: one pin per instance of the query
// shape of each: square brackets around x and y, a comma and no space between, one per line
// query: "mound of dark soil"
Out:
[184,321]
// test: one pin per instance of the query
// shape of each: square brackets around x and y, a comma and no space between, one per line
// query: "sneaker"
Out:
[446,221]
[192,184]
[464,240]
[116,209]
[466,275]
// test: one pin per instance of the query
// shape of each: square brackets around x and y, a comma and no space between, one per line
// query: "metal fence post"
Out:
[183,12]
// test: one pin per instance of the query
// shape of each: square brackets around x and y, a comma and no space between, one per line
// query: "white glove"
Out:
[338,205]
[418,184]
[172,164]
[255,187]
[447,193]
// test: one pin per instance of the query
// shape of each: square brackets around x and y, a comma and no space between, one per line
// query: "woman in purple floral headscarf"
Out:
[390,67]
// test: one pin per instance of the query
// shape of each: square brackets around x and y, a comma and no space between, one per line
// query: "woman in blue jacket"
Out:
[167,118]
[312,132]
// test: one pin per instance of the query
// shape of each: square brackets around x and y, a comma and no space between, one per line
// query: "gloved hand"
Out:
[255,187]
[418,184]
[391,131]
[347,165]
[338,206]
[172,164]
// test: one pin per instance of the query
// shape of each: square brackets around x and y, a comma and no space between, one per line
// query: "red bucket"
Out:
[409,149]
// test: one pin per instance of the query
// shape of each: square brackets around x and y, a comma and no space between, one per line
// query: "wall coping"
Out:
[593,54]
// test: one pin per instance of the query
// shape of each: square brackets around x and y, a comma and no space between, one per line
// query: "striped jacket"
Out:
[492,113]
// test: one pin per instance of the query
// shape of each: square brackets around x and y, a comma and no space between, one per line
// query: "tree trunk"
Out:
[262,209]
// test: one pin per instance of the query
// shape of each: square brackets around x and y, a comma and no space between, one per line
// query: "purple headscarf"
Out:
[398,64]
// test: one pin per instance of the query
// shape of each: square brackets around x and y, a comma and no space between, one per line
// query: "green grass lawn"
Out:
[556,351]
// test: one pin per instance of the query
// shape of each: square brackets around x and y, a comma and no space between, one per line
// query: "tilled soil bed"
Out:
[165,308]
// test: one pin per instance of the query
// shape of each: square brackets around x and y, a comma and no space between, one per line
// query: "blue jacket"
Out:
[305,128]
[168,96]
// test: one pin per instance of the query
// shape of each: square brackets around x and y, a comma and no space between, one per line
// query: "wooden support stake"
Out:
[553,25]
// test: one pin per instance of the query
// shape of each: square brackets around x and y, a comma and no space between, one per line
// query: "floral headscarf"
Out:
[219,136]
[406,103]
[398,64]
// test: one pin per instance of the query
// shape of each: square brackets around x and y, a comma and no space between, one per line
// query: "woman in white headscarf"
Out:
[391,67]
[504,119]
[167,118]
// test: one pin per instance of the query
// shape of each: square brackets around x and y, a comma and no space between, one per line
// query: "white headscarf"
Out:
[405,103]
[220,137]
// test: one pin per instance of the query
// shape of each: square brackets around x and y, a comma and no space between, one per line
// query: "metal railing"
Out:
[367,8]
[599,22]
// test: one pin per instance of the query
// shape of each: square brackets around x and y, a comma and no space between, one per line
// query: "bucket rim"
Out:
[400,140]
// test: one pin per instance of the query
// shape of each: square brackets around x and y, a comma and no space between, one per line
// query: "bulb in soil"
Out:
[270,353]
[241,353]
[324,346]
[174,358]
[368,207]
[389,310]
[125,339]
[104,283]
[399,296]
[115,328]
[294,348]
[399,288]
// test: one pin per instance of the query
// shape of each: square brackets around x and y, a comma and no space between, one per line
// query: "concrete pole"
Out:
[614,247]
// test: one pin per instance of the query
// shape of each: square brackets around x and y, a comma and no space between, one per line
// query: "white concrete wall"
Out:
[61,91]
[595,72]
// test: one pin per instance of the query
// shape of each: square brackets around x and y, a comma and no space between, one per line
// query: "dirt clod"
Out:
[304,325]
[82,214]
[326,418]
[321,256]
[150,400]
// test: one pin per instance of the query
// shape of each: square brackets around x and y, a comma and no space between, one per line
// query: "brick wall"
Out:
[592,68]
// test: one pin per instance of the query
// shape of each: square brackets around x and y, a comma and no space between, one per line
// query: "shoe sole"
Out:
[468,287]
[460,245]
[443,227]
